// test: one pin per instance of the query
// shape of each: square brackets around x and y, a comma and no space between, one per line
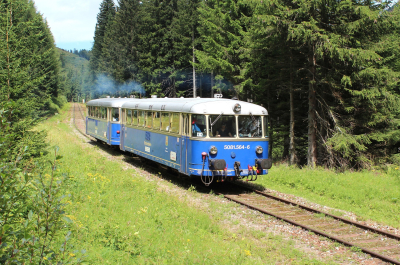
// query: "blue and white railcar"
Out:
[103,119]
[212,138]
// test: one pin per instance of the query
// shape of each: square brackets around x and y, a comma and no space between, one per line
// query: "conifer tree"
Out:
[120,46]
[222,28]
[29,72]
[104,18]
[345,75]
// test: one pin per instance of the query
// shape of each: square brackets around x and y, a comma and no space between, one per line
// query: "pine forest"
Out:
[327,71]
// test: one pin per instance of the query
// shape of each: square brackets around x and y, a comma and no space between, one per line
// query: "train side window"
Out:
[141,118]
[198,127]
[185,128]
[149,119]
[135,117]
[96,112]
[128,117]
[174,123]
[103,113]
[165,122]
[115,114]
[90,111]
[265,122]
[156,120]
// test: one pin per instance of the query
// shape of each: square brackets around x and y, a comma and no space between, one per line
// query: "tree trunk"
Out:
[200,90]
[212,84]
[292,150]
[271,128]
[312,102]
[194,69]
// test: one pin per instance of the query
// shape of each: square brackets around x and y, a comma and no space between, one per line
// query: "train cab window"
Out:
[174,123]
[128,117]
[250,126]
[134,117]
[198,127]
[141,119]
[156,120]
[265,122]
[165,124]
[115,114]
[222,126]
[148,119]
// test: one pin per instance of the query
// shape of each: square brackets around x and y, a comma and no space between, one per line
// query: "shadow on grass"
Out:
[173,176]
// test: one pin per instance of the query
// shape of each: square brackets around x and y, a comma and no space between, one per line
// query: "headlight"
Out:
[213,150]
[237,107]
[259,150]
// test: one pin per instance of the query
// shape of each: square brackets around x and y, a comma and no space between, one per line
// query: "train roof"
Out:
[196,105]
[109,102]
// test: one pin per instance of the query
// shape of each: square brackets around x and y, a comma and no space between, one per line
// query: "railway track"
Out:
[77,108]
[377,243]
[380,244]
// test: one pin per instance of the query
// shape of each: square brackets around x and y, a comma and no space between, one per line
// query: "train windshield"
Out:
[250,126]
[222,125]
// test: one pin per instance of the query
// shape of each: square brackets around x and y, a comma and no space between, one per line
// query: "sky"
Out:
[72,22]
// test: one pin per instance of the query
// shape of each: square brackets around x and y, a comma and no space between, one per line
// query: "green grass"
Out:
[369,194]
[120,218]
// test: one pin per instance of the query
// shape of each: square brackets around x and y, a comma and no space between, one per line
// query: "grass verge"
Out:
[369,194]
[120,218]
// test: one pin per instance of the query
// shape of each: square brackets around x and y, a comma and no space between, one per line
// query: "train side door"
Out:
[184,140]
[122,133]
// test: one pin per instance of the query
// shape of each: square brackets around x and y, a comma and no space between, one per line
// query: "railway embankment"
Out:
[124,212]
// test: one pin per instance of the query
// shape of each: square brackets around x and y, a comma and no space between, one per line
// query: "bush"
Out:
[31,208]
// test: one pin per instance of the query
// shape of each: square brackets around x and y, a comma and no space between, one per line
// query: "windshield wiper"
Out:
[216,119]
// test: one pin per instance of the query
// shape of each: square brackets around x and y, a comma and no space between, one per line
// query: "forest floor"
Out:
[124,213]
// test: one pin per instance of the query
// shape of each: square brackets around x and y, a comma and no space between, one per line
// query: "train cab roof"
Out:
[109,102]
[197,105]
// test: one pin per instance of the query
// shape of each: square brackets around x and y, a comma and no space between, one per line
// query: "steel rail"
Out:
[76,127]
[316,231]
[365,227]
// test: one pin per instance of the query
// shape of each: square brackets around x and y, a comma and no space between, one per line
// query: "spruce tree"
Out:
[345,73]
[29,72]
[222,28]
[104,18]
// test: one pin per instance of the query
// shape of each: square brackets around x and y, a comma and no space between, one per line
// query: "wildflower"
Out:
[86,216]
[72,254]
[247,252]
[188,240]
[89,197]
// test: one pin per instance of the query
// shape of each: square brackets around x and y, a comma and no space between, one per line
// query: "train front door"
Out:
[184,142]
